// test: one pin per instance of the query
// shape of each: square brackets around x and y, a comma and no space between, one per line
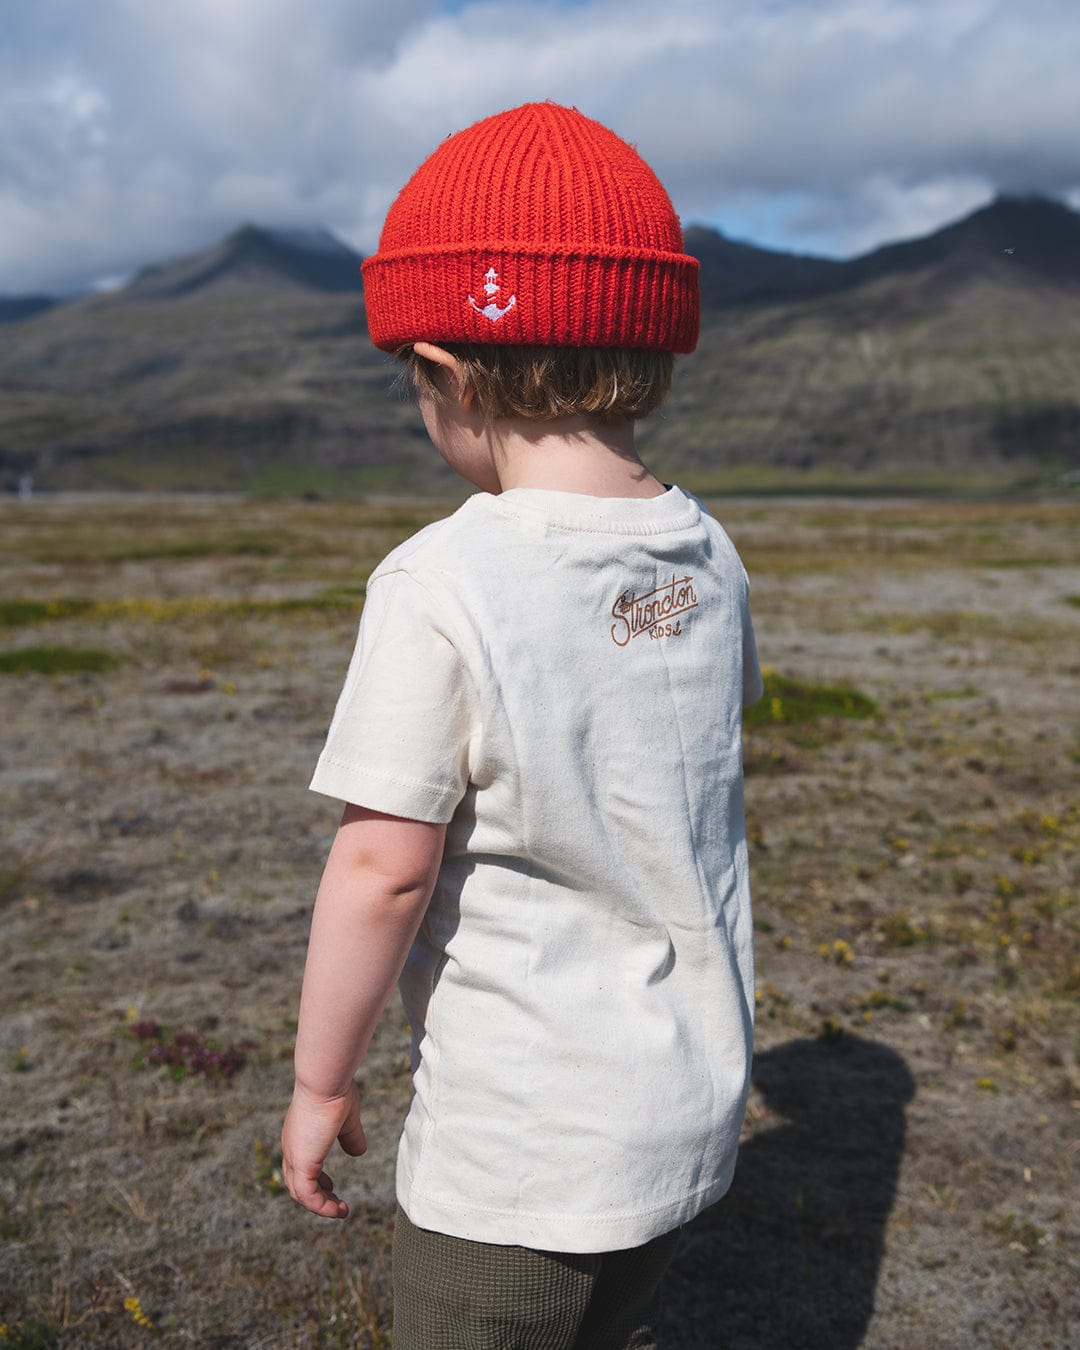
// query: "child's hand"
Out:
[311,1126]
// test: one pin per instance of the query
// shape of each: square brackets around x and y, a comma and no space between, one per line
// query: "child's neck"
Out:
[573,454]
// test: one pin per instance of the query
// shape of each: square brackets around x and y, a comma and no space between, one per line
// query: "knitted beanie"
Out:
[535,226]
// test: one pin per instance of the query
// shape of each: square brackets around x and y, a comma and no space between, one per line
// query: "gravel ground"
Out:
[910,1144]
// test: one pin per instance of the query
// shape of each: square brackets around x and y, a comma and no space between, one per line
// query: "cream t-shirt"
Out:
[561,678]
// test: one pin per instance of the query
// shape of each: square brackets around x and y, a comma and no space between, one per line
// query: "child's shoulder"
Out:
[434,544]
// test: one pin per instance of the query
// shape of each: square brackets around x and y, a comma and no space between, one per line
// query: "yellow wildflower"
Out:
[134,1309]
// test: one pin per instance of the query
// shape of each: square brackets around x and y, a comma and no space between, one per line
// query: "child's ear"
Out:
[449,362]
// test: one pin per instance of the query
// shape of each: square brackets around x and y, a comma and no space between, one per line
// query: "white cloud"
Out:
[850,222]
[134,130]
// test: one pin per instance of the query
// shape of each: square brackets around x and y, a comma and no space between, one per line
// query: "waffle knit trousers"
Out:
[454,1294]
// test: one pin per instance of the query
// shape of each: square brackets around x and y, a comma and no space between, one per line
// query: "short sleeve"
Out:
[399,739]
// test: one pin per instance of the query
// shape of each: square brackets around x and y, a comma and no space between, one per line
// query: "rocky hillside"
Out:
[247,365]
[956,352]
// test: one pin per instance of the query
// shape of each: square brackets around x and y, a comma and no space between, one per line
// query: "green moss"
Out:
[789,701]
[898,930]
[1001,564]
[245,546]
[18,613]
[338,598]
[282,479]
[32,1335]
[957,626]
[838,480]
[55,661]
[1017,1232]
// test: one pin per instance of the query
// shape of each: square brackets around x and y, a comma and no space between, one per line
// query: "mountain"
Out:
[16,307]
[247,365]
[1036,235]
[733,272]
[255,258]
[956,352]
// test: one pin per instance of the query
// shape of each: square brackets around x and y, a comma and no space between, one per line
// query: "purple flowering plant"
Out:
[186,1054]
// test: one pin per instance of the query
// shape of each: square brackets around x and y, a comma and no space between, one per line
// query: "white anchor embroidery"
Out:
[491,289]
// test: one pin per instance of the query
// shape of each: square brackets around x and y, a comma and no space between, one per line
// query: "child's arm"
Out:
[371,900]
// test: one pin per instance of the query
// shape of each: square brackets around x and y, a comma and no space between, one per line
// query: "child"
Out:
[539,746]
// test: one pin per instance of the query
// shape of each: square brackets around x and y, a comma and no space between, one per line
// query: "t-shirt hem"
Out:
[379,792]
[557,1232]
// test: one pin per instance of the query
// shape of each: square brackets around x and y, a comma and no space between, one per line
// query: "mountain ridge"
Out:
[254,255]
[1039,233]
[1035,233]
[247,365]
[13,308]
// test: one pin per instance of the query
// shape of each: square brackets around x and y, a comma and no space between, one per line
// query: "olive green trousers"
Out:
[454,1294]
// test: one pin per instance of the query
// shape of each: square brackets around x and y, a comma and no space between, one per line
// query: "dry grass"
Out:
[908,1149]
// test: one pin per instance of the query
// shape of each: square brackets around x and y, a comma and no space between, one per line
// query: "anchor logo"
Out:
[492,288]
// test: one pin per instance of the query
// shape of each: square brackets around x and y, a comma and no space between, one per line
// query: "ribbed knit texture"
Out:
[535,226]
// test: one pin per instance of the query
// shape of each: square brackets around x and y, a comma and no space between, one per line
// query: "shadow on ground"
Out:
[790,1257]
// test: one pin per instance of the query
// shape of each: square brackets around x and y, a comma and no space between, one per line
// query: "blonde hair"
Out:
[540,383]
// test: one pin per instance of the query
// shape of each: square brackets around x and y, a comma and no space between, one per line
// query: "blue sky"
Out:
[134,130]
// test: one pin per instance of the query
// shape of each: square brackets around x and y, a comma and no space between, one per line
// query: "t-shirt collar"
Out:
[672,510]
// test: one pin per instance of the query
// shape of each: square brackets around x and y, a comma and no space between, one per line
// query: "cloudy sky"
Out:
[131,130]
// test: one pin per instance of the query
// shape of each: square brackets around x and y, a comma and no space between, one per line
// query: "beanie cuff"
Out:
[551,297]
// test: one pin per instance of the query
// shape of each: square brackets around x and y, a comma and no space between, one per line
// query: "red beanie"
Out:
[536,226]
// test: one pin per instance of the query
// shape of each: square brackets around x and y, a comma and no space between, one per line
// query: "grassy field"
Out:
[168,668]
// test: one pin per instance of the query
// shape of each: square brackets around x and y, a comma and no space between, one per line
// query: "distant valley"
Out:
[247,366]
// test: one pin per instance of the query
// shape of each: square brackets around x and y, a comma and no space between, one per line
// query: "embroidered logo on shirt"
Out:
[492,310]
[654,613]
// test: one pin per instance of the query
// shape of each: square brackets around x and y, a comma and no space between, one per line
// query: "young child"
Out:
[539,746]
